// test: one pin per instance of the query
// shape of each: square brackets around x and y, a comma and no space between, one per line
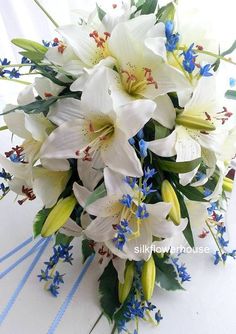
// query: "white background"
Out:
[209,302]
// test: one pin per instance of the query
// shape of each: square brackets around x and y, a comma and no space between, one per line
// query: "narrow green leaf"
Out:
[87,250]
[99,192]
[2,128]
[179,167]
[190,192]
[166,275]
[35,57]
[229,50]
[166,13]
[29,45]
[108,288]
[62,239]
[149,7]
[160,131]
[230,94]
[188,234]
[39,220]
[101,13]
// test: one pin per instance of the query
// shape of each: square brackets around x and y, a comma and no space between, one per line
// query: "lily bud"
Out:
[58,216]
[195,123]
[148,278]
[169,196]
[228,184]
[124,289]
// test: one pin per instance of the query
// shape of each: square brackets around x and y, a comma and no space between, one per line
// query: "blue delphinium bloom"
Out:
[189,59]
[5,62]
[54,290]
[182,270]
[4,175]
[172,39]
[126,200]
[204,70]
[14,73]
[44,276]
[142,212]
[158,316]
[131,181]
[232,82]
[123,230]
[217,258]
[143,146]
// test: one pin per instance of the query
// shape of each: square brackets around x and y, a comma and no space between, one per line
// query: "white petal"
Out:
[66,140]
[95,95]
[44,86]
[137,113]
[120,266]
[56,164]
[38,125]
[164,147]
[115,183]
[187,149]
[65,110]
[101,229]
[156,40]
[15,122]
[49,185]
[26,96]
[88,175]
[139,26]
[165,112]
[19,170]
[120,156]
[58,58]
[81,193]
[71,229]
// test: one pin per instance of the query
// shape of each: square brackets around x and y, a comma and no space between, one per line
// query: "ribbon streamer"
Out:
[20,286]
[69,297]
[16,249]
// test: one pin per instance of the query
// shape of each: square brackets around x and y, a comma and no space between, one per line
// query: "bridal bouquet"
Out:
[128,134]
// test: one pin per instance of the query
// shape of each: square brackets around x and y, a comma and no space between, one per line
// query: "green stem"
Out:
[215,239]
[15,80]
[212,54]
[113,329]
[46,13]
[2,128]
[181,67]
[14,65]
[96,322]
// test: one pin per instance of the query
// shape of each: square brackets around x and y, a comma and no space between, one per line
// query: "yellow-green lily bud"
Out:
[58,216]
[228,184]
[124,289]
[169,196]
[195,123]
[148,278]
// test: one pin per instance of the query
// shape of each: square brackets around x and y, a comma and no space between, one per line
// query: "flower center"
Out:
[135,81]
[100,131]
[101,42]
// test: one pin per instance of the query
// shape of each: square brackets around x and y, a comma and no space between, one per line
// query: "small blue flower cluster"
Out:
[172,39]
[182,270]
[137,307]
[222,257]
[122,231]
[11,74]
[52,43]
[60,253]
[189,59]
[6,177]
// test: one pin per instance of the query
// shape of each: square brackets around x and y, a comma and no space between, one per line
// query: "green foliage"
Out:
[230,94]
[166,13]
[166,274]
[33,50]
[62,239]
[188,191]
[99,192]
[108,288]
[39,220]
[87,250]
[101,13]
[148,7]
[179,167]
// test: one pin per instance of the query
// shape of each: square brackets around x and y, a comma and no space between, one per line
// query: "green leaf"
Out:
[166,13]
[62,239]
[87,250]
[188,234]
[99,192]
[160,131]
[230,94]
[39,220]
[2,128]
[108,288]
[49,75]
[179,167]
[35,57]
[29,45]
[166,275]
[149,7]
[229,50]
[101,13]
[190,192]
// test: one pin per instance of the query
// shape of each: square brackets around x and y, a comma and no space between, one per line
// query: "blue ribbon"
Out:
[69,297]
[20,286]
[16,249]
[21,259]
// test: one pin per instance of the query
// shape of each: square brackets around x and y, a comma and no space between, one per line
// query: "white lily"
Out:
[109,212]
[196,136]
[94,125]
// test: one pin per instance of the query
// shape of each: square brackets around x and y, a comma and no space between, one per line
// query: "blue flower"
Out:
[132,141]
[25,60]
[189,59]
[4,175]
[207,192]
[5,62]
[121,238]
[232,82]
[131,181]
[140,134]
[142,212]
[54,290]
[46,43]
[58,278]
[13,73]
[147,189]
[149,173]
[204,71]
[172,39]
[158,316]
[135,309]
[126,200]
[217,258]
[223,242]
[44,276]
[143,146]
[182,271]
